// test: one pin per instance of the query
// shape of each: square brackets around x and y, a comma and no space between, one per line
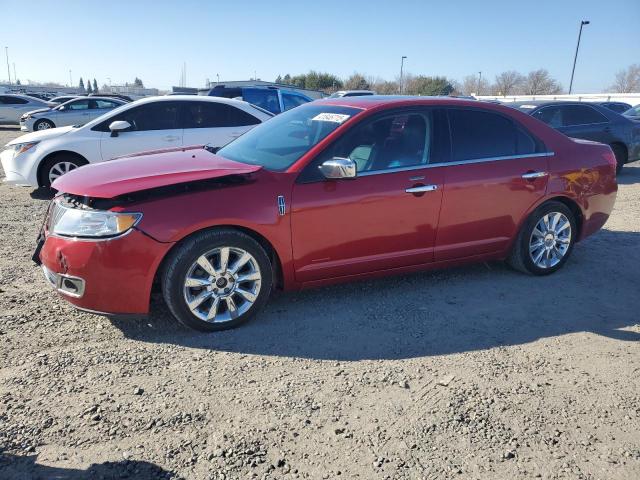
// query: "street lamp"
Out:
[401,71]
[479,82]
[575,58]
[70,81]
[6,52]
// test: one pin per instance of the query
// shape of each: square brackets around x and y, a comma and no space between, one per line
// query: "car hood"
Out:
[41,135]
[149,170]
[39,110]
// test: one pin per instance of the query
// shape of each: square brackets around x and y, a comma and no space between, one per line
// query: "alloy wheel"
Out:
[222,284]
[60,169]
[550,240]
[43,126]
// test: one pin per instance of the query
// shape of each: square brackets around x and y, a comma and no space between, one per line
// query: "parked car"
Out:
[119,96]
[618,107]
[63,99]
[331,191]
[38,158]
[272,99]
[589,121]
[74,112]
[13,106]
[633,113]
[351,93]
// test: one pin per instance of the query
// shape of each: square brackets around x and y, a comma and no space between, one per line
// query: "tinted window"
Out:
[617,107]
[13,100]
[106,104]
[476,134]
[280,142]
[78,105]
[552,116]
[581,115]
[212,115]
[291,101]
[153,116]
[267,99]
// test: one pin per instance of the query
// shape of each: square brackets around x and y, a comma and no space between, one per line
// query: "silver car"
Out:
[74,112]
[13,106]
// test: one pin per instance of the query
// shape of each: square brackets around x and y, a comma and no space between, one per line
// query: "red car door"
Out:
[384,218]
[497,172]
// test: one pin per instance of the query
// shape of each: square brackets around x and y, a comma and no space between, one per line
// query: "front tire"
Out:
[57,166]
[43,125]
[620,153]
[545,241]
[216,280]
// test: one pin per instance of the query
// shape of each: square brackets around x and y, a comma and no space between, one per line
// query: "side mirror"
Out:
[62,107]
[119,126]
[338,168]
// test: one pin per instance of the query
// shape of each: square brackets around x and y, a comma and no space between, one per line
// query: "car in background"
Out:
[618,107]
[13,106]
[331,191]
[351,93]
[74,112]
[273,99]
[589,121]
[38,158]
[63,99]
[633,113]
[119,96]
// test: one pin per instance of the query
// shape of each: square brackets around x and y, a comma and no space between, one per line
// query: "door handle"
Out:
[422,189]
[534,175]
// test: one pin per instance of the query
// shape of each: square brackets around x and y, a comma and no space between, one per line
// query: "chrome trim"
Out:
[422,189]
[56,279]
[534,175]
[282,206]
[461,162]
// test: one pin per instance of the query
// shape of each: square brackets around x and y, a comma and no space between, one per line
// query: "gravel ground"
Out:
[474,373]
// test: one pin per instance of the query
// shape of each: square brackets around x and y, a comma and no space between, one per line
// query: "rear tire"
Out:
[57,166]
[621,155]
[545,241]
[216,280]
[43,125]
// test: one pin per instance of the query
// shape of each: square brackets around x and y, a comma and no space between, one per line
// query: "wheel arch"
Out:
[274,258]
[48,156]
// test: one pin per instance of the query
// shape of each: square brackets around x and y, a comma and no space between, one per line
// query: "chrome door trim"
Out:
[534,175]
[422,189]
[461,162]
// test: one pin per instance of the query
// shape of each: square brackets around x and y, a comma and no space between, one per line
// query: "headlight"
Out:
[76,222]
[19,148]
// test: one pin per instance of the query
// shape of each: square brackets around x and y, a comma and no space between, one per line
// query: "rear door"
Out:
[214,123]
[496,171]
[154,126]
[75,112]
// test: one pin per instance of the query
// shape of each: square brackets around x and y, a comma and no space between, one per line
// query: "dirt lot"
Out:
[474,373]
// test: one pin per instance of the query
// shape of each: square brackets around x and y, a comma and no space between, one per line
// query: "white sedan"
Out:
[37,159]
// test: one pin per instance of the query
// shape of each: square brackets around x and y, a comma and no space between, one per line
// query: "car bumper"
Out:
[108,276]
[20,170]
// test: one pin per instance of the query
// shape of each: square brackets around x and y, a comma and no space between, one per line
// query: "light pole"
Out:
[575,58]
[6,52]
[218,78]
[479,82]
[70,81]
[15,77]
[401,72]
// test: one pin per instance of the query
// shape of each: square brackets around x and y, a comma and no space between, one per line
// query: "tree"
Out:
[356,81]
[286,79]
[382,86]
[473,85]
[89,89]
[138,83]
[508,83]
[278,79]
[423,85]
[540,82]
[81,85]
[627,80]
[95,86]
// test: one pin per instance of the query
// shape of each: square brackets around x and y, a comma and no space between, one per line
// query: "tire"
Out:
[43,125]
[215,284]
[523,258]
[57,166]
[620,153]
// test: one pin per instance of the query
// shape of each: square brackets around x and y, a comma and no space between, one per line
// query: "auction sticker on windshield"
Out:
[331,117]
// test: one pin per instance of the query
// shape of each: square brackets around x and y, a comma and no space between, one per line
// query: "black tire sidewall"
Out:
[49,164]
[527,230]
[183,257]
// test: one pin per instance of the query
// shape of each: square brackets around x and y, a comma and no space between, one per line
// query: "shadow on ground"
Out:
[25,468]
[433,313]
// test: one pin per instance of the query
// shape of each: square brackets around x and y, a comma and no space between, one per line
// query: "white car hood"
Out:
[41,135]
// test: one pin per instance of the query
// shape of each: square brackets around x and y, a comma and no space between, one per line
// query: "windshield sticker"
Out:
[331,117]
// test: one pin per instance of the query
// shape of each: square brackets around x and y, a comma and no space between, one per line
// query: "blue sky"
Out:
[151,40]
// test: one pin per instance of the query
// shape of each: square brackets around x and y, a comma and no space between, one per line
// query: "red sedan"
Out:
[330,191]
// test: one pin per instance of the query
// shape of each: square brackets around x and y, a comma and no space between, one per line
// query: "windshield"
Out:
[280,142]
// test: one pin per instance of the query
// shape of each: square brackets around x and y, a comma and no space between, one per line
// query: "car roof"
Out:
[22,95]
[372,101]
[189,98]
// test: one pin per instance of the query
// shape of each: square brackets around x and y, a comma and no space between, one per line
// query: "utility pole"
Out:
[15,77]
[575,58]
[6,52]
[70,81]
[479,83]
[401,72]
[218,78]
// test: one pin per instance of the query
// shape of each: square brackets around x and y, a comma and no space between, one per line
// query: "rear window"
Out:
[477,134]
[213,115]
